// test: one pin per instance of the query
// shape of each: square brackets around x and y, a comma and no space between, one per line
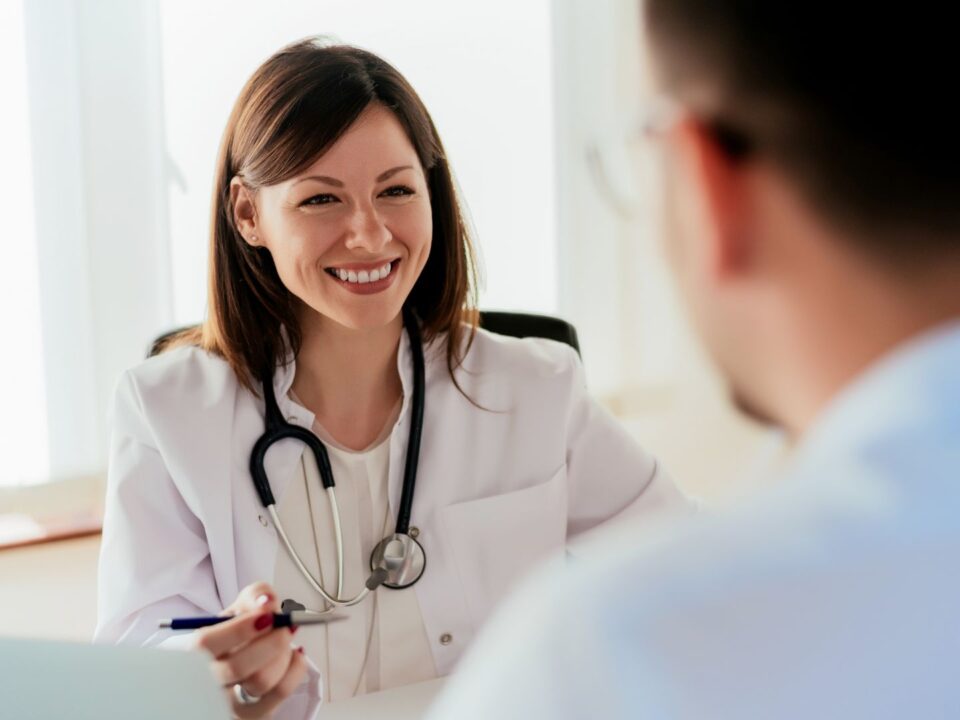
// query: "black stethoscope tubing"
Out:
[277,429]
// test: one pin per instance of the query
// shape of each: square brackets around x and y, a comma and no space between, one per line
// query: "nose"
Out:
[367,231]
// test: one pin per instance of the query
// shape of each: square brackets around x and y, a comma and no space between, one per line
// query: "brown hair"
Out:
[293,108]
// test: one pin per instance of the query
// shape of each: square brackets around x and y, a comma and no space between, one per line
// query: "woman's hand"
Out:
[248,652]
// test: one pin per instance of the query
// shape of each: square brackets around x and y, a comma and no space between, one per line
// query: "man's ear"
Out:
[244,211]
[718,182]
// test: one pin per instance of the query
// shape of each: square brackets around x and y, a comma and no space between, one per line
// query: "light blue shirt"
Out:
[836,594]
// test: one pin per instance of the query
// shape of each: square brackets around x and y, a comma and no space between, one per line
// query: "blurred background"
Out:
[113,111]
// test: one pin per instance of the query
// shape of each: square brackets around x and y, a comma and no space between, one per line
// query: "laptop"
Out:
[47,679]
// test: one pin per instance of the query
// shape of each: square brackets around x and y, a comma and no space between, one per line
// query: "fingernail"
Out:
[264,599]
[264,621]
[300,649]
[294,628]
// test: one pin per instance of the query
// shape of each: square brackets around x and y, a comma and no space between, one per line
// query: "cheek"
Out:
[680,241]
[687,233]
[676,227]
[296,245]
[415,230]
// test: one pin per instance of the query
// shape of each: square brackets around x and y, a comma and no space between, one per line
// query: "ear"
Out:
[244,210]
[718,184]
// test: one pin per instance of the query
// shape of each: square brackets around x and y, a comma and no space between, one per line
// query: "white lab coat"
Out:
[498,489]
[833,594]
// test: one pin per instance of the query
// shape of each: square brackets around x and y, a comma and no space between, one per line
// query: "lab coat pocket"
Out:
[497,540]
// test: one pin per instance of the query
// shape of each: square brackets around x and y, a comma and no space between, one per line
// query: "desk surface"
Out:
[404,703]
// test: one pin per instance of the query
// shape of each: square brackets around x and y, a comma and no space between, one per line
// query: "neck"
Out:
[859,319]
[348,378]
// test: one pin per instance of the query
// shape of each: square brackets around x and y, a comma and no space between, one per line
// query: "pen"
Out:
[280,620]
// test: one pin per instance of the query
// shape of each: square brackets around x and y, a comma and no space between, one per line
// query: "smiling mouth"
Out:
[365,276]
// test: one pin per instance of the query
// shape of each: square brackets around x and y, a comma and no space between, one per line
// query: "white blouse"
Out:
[382,643]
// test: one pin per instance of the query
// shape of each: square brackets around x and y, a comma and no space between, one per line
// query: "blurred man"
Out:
[814,177]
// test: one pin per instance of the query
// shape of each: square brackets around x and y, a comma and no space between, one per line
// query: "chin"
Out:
[372,317]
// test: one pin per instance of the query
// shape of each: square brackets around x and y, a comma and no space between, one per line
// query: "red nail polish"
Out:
[294,628]
[262,622]
[300,650]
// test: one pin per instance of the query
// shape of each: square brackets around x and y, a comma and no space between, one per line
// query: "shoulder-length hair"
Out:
[294,107]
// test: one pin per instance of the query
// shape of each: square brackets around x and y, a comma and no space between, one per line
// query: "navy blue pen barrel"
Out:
[195,623]
[280,620]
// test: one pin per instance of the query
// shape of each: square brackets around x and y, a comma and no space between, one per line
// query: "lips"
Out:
[368,279]
[363,274]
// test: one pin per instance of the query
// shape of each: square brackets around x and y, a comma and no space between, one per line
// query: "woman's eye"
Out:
[322,199]
[397,191]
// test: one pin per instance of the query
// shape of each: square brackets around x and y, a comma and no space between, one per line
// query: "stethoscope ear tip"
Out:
[289,606]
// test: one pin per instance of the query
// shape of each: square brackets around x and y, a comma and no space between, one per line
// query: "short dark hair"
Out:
[854,103]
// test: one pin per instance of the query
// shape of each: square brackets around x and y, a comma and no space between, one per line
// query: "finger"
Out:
[230,636]
[256,596]
[265,678]
[296,672]
[244,663]
[263,596]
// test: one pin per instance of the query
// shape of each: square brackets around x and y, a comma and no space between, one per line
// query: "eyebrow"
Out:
[326,179]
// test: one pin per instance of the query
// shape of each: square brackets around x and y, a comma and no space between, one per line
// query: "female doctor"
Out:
[449,459]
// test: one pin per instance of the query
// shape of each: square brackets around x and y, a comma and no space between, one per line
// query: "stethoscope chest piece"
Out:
[401,558]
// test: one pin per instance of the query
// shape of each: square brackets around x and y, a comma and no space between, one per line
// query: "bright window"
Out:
[24,445]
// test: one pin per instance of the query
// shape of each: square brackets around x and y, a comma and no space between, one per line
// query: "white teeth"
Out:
[363,276]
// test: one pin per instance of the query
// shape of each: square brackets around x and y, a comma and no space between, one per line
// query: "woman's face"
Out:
[351,233]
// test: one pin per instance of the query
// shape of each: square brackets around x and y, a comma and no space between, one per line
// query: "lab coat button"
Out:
[414,532]
[446,639]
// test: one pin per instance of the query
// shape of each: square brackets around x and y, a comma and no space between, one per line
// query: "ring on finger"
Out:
[243,697]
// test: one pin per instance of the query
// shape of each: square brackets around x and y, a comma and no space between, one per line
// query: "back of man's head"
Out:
[855,104]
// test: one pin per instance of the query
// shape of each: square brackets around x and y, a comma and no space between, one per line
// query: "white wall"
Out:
[614,284]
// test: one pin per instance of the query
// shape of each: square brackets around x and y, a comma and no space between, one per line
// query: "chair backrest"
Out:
[519,325]
[158,342]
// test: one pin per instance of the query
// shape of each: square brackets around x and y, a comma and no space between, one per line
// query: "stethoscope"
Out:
[398,560]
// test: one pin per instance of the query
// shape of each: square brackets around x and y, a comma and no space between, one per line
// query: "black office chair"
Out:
[521,325]
[518,325]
